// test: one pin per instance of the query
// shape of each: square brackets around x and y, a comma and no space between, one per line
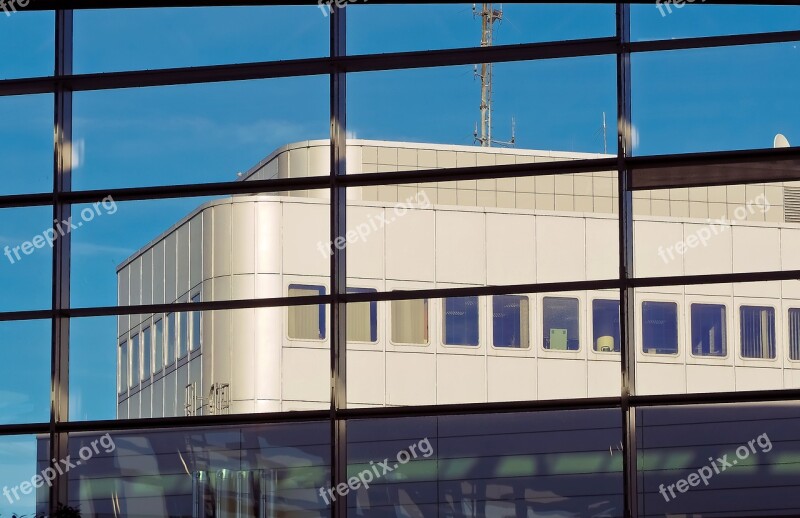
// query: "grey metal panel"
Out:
[170,265]
[135,289]
[196,255]
[221,333]
[170,394]
[123,321]
[242,348]
[196,378]
[208,245]
[147,277]
[243,238]
[158,273]
[183,260]
[182,381]
[158,398]
[222,240]
[146,402]
[133,406]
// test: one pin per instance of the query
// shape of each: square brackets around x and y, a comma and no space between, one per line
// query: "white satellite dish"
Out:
[780,141]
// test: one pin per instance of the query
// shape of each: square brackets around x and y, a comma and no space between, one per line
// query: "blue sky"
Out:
[687,101]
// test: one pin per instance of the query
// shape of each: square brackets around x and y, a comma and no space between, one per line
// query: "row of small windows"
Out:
[147,353]
[560,324]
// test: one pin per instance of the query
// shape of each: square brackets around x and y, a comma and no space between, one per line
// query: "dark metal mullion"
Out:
[338,224]
[62,211]
[626,262]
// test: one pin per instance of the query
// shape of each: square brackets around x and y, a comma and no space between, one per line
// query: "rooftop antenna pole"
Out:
[489,16]
[605,135]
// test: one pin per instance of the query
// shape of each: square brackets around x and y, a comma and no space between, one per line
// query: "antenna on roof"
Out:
[489,16]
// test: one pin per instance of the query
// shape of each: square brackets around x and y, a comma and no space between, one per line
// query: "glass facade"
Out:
[399,260]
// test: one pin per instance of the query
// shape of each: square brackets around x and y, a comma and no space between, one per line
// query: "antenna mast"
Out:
[489,16]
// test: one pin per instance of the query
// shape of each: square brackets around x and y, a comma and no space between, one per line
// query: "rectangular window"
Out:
[307,322]
[709,336]
[660,327]
[172,331]
[183,334]
[510,321]
[124,368]
[461,317]
[136,373]
[794,334]
[757,325]
[560,323]
[197,326]
[158,354]
[362,318]
[605,325]
[410,322]
[147,359]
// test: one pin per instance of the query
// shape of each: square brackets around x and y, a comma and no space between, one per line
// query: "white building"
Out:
[466,233]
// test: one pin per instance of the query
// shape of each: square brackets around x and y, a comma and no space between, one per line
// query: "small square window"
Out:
[605,326]
[510,321]
[410,322]
[307,322]
[757,326]
[660,327]
[560,320]
[709,336]
[362,318]
[461,321]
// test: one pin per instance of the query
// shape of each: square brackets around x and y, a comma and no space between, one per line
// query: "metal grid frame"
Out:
[633,173]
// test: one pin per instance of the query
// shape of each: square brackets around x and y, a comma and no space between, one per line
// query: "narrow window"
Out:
[794,334]
[124,367]
[197,326]
[307,322]
[605,325]
[172,330]
[362,319]
[757,325]
[147,359]
[560,323]
[158,355]
[660,327]
[410,322]
[136,373]
[183,334]
[461,321]
[709,337]
[510,318]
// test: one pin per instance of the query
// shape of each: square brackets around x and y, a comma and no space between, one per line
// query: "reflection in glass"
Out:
[510,321]
[605,324]
[757,332]
[560,323]
[709,336]
[660,327]
[461,321]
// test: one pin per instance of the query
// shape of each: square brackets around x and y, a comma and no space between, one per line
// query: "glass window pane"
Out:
[362,318]
[794,334]
[25,371]
[307,322]
[510,321]
[158,355]
[172,331]
[18,458]
[136,373]
[183,334]
[757,328]
[122,367]
[195,36]
[605,325]
[560,324]
[410,322]
[660,327]
[32,36]
[147,349]
[197,326]
[26,141]
[709,334]
[461,316]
